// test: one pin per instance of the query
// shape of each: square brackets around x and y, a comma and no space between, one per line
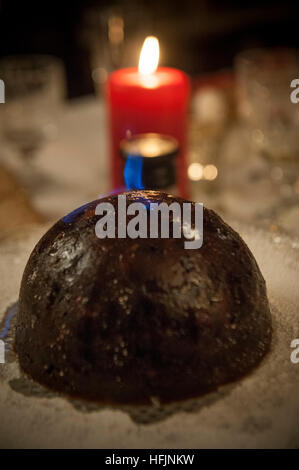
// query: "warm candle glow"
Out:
[149,56]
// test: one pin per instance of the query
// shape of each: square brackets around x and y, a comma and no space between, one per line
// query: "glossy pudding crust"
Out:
[126,320]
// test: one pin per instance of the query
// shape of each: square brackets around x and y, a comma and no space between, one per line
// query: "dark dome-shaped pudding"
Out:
[125,320]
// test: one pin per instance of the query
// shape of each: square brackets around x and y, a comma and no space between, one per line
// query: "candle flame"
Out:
[149,56]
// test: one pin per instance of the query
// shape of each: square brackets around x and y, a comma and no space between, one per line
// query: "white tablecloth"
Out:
[76,161]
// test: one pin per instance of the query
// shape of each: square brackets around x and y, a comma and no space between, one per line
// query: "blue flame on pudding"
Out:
[13,312]
[133,172]
[69,218]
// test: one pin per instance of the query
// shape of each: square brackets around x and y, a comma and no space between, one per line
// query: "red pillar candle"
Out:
[148,100]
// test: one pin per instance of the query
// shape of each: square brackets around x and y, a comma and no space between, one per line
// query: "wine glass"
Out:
[264,79]
[112,36]
[34,92]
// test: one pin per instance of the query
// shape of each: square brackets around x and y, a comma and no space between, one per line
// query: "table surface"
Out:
[76,161]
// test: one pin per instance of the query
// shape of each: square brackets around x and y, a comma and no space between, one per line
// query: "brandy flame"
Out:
[149,56]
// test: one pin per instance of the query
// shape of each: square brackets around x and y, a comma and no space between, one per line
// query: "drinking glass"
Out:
[113,37]
[34,92]
[264,79]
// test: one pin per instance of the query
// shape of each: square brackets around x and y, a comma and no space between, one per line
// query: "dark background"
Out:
[198,36]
